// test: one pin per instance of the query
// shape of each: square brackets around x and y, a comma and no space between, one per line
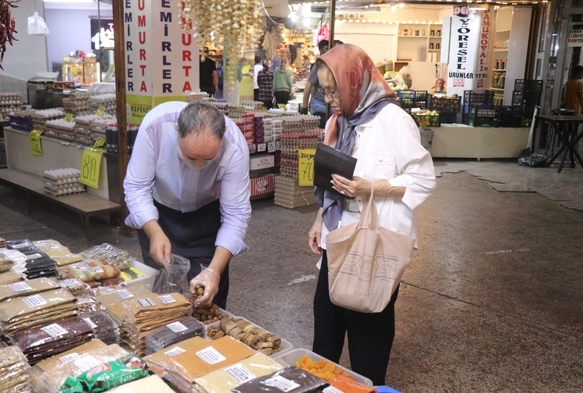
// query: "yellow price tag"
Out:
[69,117]
[36,148]
[306,167]
[423,121]
[99,142]
[101,110]
[91,166]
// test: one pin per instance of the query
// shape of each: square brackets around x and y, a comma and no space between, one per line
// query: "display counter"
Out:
[461,141]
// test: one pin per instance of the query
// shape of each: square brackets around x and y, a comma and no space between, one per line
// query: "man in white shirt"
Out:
[256,68]
[187,191]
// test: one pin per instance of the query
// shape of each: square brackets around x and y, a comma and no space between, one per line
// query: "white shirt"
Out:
[256,69]
[389,148]
[156,172]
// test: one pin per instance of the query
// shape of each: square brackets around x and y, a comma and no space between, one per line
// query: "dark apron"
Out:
[192,235]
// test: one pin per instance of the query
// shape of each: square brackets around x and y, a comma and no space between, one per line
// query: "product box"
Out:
[261,161]
[262,185]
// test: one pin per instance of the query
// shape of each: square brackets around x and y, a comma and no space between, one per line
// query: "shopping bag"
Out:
[366,262]
[173,277]
[37,25]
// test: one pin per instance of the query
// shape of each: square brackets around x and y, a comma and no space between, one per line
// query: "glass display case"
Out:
[84,71]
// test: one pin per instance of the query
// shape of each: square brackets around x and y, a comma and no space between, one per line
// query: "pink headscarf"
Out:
[359,83]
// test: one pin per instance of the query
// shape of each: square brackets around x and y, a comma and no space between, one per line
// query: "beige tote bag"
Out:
[366,262]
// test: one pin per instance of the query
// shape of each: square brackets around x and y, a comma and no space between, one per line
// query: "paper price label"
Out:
[282,383]
[54,330]
[306,167]
[331,389]
[176,327]
[86,363]
[69,358]
[174,351]
[91,324]
[91,166]
[101,110]
[82,265]
[69,117]
[146,302]
[20,287]
[167,299]
[34,301]
[36,148]
[33,256]
[84,300]
[99,142]
[124,293]
[71,282]
[211,355]
[96,269]
[240,373]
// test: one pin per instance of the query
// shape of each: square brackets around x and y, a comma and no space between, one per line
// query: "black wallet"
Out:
[328,161]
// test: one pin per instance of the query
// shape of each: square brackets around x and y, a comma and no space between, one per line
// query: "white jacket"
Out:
[389,148]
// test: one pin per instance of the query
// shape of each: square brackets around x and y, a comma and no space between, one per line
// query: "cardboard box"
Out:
[262,185]
[261,161]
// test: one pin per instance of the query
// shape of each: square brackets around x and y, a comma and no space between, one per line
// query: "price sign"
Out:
[101,110]
[100,142]
[91,166]
[69,117]
[306,166]
[36,148]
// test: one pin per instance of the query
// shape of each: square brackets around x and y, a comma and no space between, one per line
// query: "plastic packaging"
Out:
[5,263]
[173,333]
[92,271]
[111,254]
[26,288]
[533,160]
[37,25]
[290,379]
[173,277]
[103,326]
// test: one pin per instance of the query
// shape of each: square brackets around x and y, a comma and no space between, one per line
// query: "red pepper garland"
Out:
[7,26]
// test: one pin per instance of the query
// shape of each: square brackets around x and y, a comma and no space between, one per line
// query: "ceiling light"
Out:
[69,1]
[393,8]
[355,10]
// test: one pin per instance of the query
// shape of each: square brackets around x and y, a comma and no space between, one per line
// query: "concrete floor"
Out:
[492,300]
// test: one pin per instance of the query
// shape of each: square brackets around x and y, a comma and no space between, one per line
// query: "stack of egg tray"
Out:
[40,117]
[77,104]
[255,106]
[99,128]
[85,126]
[58,182]
[9,102]
[107,101]
[60,129]
[291,142]
[289,194]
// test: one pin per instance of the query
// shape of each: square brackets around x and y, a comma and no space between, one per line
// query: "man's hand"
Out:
[304,111]
[160,247]
[209,279]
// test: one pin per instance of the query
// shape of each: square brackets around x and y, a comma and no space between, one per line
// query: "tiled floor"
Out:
[491,302]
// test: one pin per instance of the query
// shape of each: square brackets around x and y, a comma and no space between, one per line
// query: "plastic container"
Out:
[290,358]
[147,280]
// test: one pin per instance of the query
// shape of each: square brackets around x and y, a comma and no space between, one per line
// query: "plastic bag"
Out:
[37,25]
[173,277]
[534,160]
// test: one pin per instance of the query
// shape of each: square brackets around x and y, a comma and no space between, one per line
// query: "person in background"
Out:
[368,125]
[265,82]
[187,191]
[256,68]
[439,87]
[275,62]
[208,77]
[220,74]
[242,63]
[282,83]
[317,104]
[573,91]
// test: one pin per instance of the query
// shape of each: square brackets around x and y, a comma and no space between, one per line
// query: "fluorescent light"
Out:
[69,1]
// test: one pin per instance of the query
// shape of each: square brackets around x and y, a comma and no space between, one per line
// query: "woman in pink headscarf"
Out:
[369,125]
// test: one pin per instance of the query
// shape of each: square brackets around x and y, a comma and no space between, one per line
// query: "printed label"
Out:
[282,383]
[240,373]
[69,358]
[71,282]
[54,330]
[332,389]
[91,324]
[20,287]
[96,269]
[33,256]
[147,302]
[174,351]
[124,293]
[84,300]
[211,355]
[167,299]
[81,265]
[34,300]
[86,363]
[176,327]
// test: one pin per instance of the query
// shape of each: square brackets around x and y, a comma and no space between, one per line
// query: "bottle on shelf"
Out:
[497,67]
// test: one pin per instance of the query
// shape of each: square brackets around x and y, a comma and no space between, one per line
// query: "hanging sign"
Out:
[575,35]
[91,166]
[306,167]
[36,148]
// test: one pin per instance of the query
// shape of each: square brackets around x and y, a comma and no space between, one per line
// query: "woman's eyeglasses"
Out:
[328,93]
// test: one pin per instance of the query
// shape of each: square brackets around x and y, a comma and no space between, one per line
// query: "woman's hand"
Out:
[315,235]
[351,188]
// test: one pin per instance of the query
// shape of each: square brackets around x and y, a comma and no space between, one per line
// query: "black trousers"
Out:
[370,335]
[282,97]
[192,236]
[256,94]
